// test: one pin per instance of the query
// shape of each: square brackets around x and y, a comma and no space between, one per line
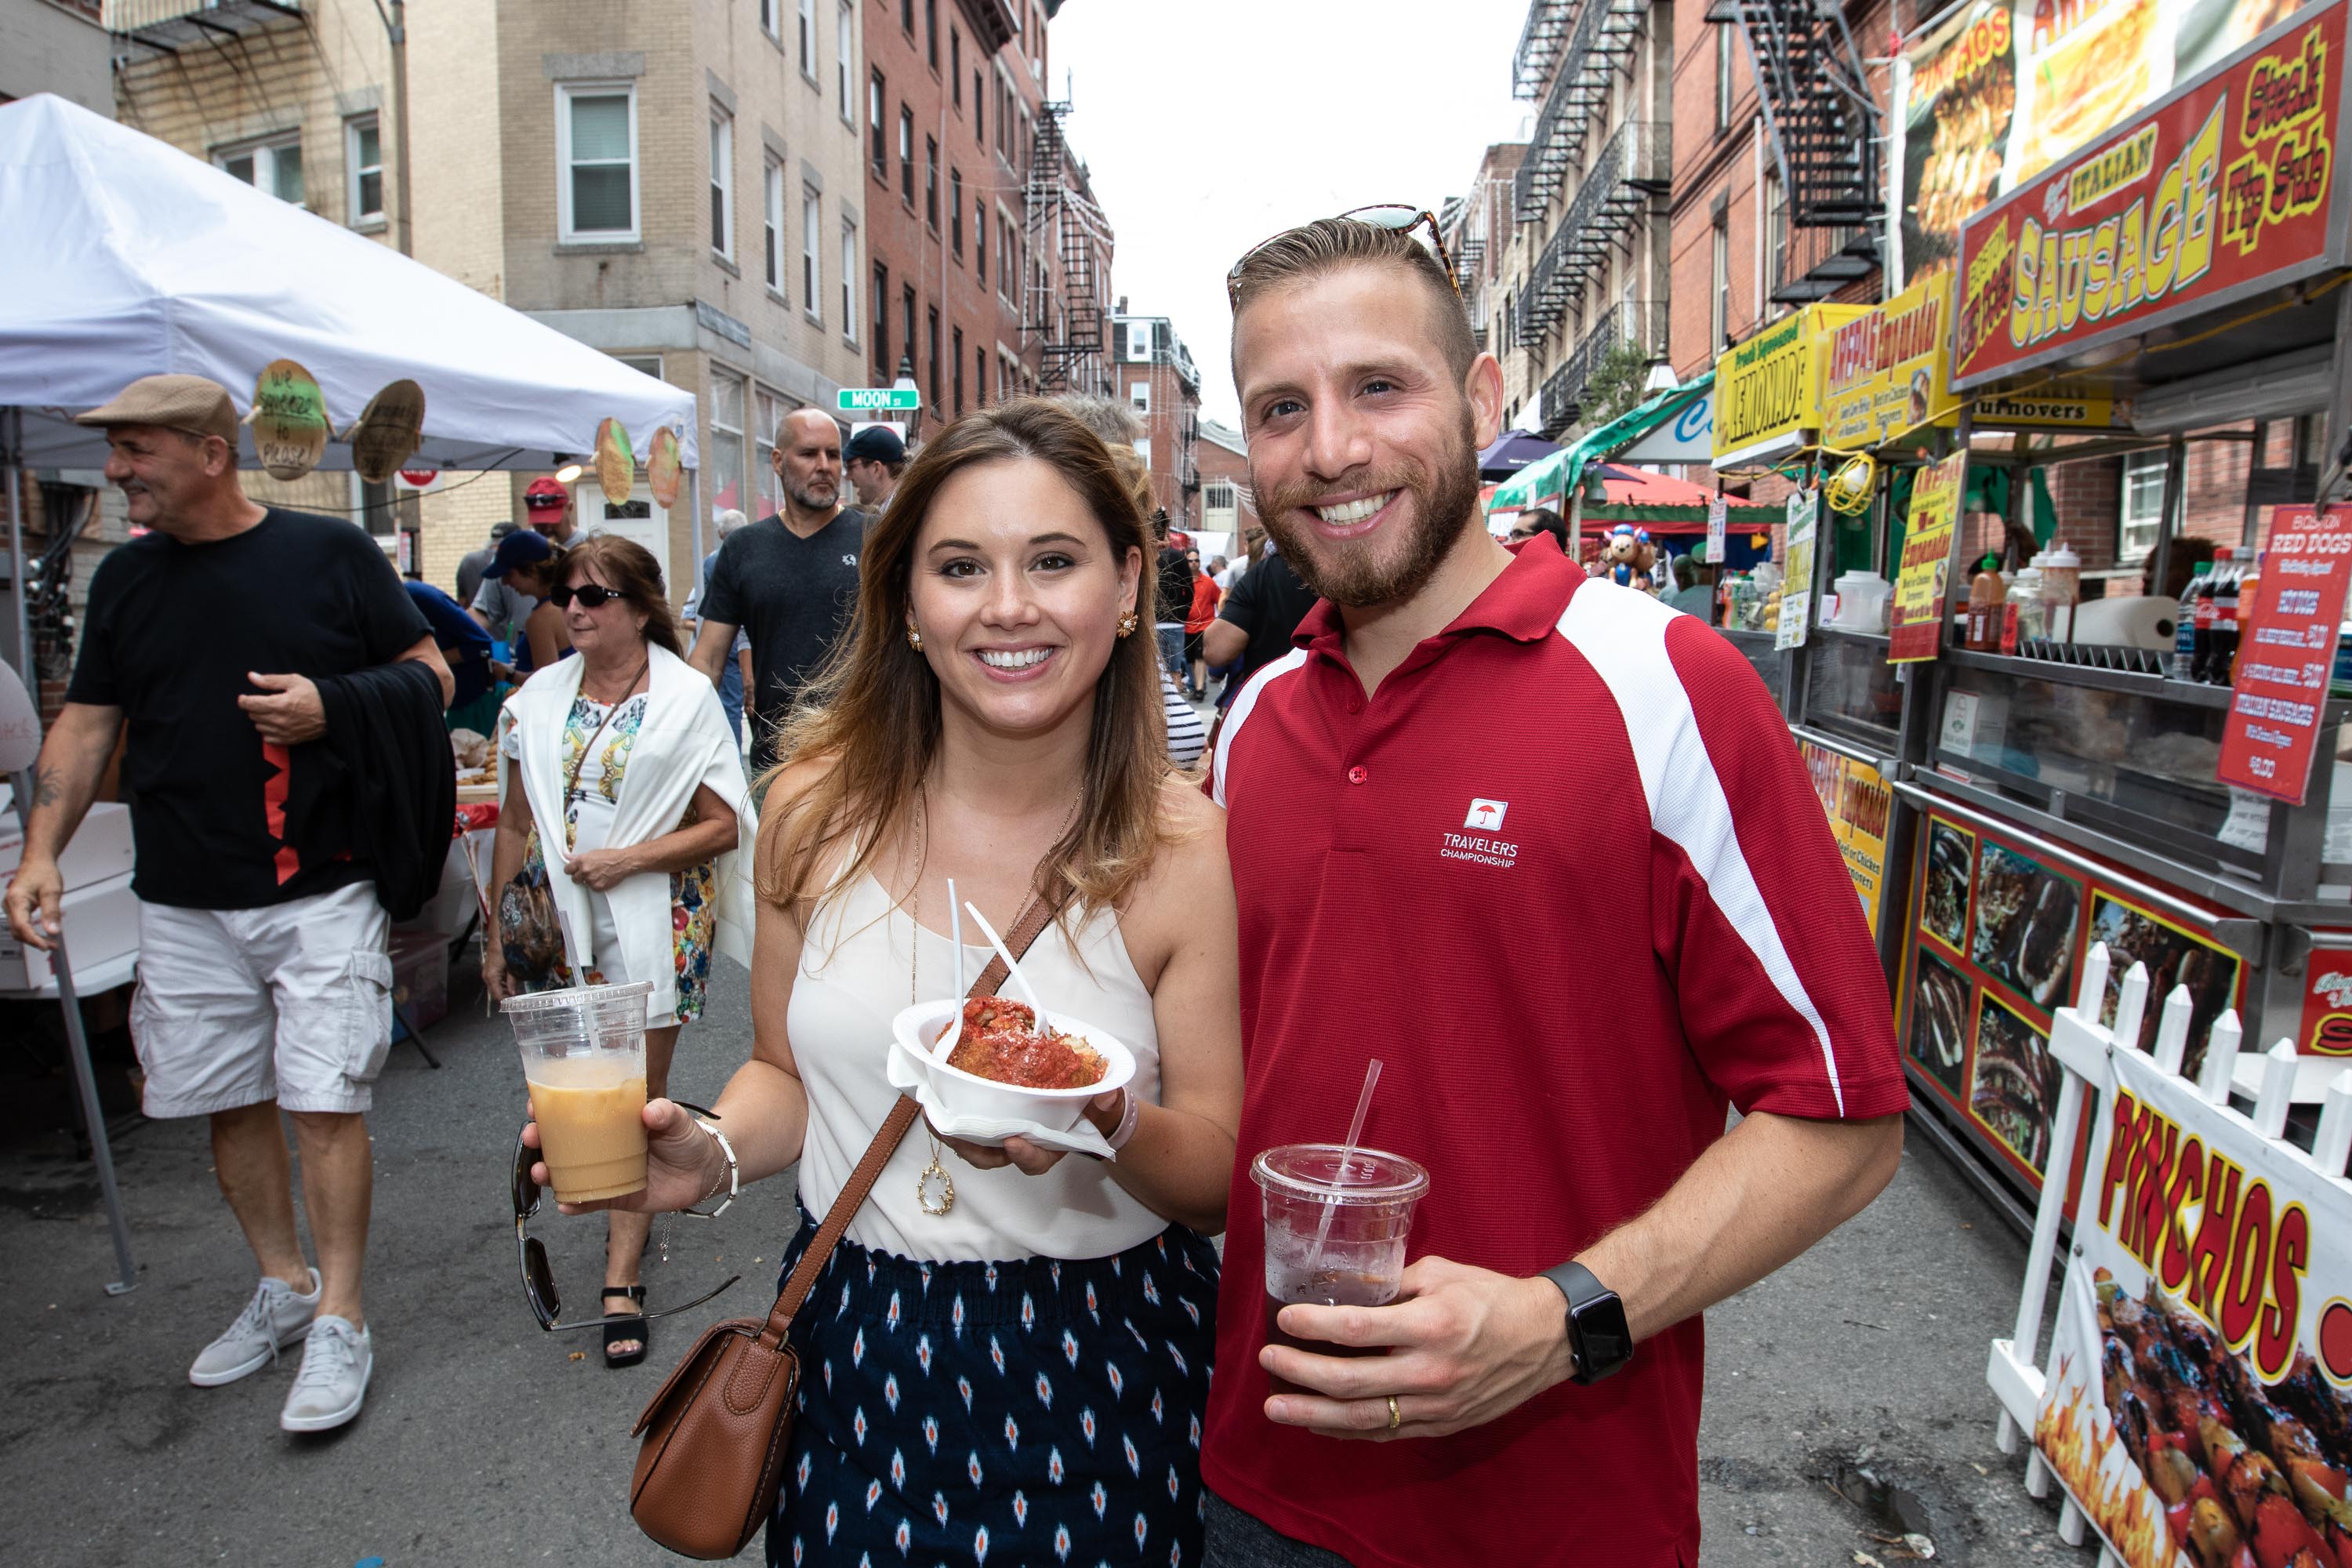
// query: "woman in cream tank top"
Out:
[1007,1357]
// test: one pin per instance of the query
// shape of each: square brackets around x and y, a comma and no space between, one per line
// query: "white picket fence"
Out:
[2082,1047]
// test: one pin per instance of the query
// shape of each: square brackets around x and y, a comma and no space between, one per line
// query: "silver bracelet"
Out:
[734,1173]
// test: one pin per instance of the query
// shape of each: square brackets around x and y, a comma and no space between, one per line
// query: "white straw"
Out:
[955,932]
[1347,1152]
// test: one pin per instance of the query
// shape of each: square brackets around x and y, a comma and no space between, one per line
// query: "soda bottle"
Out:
[2184,626]
[2222,639]
[2209,605]
[2241,609]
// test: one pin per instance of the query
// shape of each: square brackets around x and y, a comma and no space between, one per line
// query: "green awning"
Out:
[1550,481]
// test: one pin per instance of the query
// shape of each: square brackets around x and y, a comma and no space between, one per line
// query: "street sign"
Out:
[859,399]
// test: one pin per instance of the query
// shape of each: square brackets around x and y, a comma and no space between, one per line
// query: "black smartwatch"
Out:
[1597,1335]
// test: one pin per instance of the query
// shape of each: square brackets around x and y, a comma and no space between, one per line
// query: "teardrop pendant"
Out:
[934,1172]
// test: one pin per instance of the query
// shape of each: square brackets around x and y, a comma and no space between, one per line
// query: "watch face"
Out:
[1603,1342]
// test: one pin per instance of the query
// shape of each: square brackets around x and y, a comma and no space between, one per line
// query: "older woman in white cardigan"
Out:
[624,812]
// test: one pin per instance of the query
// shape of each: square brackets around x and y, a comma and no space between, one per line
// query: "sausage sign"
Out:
[2225,188]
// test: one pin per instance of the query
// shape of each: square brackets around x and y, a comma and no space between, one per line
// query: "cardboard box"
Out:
[101,921]
[101,848]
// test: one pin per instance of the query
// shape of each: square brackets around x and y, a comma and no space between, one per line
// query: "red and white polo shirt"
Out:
[1565,875]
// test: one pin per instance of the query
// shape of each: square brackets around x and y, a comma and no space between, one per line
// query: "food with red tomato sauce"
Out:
[1001,1042]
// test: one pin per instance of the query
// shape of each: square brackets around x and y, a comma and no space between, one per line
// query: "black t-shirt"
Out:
[1269,603]
[1175,587]
[171,633]
[793,596]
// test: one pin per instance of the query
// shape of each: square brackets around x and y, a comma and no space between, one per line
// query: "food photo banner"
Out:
[2224,189]
[2286,650]
[1996,90]
[1999,934]
[2198,1406]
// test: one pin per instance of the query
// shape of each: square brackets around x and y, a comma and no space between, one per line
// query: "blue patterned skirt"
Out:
[1043,1412]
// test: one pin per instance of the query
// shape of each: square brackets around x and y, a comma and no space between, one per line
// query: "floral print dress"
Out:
[595,799]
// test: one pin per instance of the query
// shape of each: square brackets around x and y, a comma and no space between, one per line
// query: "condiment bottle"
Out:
[1987,590]
[2062,589]
[2021,617]
[2184,623]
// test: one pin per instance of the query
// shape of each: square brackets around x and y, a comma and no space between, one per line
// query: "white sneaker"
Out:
[336,1361]
[273,1318]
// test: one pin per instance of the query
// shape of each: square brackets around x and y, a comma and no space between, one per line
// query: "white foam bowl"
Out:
[919,1028]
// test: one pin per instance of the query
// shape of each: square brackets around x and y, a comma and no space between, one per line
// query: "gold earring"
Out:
[914,637]
[1128,622]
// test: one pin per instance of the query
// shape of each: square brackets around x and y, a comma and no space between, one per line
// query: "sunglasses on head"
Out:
[538,1279]
[1397,215]
[592,596]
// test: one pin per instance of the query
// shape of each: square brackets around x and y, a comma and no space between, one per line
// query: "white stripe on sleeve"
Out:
[1622,632]
[1238,715]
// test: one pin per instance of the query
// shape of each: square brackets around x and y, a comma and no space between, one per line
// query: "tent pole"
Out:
[1576,525]
[12,454]
[101,1152]
[694,506]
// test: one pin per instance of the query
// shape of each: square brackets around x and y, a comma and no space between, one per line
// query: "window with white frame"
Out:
[1719,295]
[1005,279]
[726,440]
[849,280]
[363,170]
[772,226]
[2141,521]
[1138,340]
[1724,45]
[275,165]
[808,39]
[1139,394]
[766,412]
[1143,449]
[772,17]
[844,60]
[811,271]
[596,152]
[723,181]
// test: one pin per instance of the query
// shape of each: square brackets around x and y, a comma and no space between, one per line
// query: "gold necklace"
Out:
[936,1171]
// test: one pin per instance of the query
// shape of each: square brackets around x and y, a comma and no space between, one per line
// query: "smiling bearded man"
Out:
[1462,736]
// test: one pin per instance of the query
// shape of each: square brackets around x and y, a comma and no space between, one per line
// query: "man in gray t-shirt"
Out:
[547,504]
[789,581]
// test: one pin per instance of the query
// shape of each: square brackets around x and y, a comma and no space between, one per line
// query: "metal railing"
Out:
[1606,31]
[1639,323]
[1636,161]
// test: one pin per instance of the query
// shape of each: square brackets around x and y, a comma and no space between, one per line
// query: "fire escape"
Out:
[1062,308]
[1825,129]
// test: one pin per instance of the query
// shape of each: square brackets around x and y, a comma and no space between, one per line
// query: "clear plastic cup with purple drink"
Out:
[1335,1222]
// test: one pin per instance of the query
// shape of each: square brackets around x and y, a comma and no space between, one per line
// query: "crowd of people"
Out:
[978,671]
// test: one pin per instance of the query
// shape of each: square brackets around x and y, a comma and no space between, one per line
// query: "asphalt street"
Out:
[487,1442]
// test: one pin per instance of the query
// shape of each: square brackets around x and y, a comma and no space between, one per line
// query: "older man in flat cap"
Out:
[263,974]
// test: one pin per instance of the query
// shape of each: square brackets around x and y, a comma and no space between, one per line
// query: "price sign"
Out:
[1916,625]
[2286,648]
[1797,584]
[1718,519]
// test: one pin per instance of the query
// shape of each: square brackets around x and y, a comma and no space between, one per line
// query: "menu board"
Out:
[1999,90]
[1998,939]
[2200,1403]
[1797,585]
[1916,629]
[1856,800]
[2286,647]
[2224,188]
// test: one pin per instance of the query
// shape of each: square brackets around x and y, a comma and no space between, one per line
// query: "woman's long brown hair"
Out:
[874,713]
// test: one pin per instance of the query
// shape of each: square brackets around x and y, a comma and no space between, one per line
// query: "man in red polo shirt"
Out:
[1467,742]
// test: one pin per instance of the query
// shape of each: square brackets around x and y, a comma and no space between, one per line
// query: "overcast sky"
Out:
[1210,124]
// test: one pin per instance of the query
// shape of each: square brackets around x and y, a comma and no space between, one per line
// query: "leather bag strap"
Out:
[1027,930]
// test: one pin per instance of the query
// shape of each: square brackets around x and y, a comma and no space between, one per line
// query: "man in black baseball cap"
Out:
[874,459]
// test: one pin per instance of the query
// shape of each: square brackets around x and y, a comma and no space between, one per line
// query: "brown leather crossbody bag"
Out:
[716,1434]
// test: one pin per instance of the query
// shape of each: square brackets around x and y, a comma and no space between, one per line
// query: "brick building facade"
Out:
[1227,504]
[1154,374]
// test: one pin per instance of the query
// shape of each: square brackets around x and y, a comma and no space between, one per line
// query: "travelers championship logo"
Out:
[1484,816]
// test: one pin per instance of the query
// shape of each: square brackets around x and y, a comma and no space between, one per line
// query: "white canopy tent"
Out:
[126,257]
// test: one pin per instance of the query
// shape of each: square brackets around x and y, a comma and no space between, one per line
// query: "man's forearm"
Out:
[708,653]
[66,774]
[1768,1190]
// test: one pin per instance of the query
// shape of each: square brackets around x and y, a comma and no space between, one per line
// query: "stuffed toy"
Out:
[1627,557]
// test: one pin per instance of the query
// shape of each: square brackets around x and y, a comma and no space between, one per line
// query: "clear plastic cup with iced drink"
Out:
[1336,1221]
[583,1055]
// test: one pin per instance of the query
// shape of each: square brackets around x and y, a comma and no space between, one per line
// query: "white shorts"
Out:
[289,1003]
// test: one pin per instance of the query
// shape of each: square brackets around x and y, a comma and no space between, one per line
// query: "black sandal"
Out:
[624,1329]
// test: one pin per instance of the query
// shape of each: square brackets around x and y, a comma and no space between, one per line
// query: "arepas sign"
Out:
[2225,188]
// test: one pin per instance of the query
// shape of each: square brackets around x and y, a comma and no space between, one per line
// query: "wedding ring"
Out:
[1395,1420]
